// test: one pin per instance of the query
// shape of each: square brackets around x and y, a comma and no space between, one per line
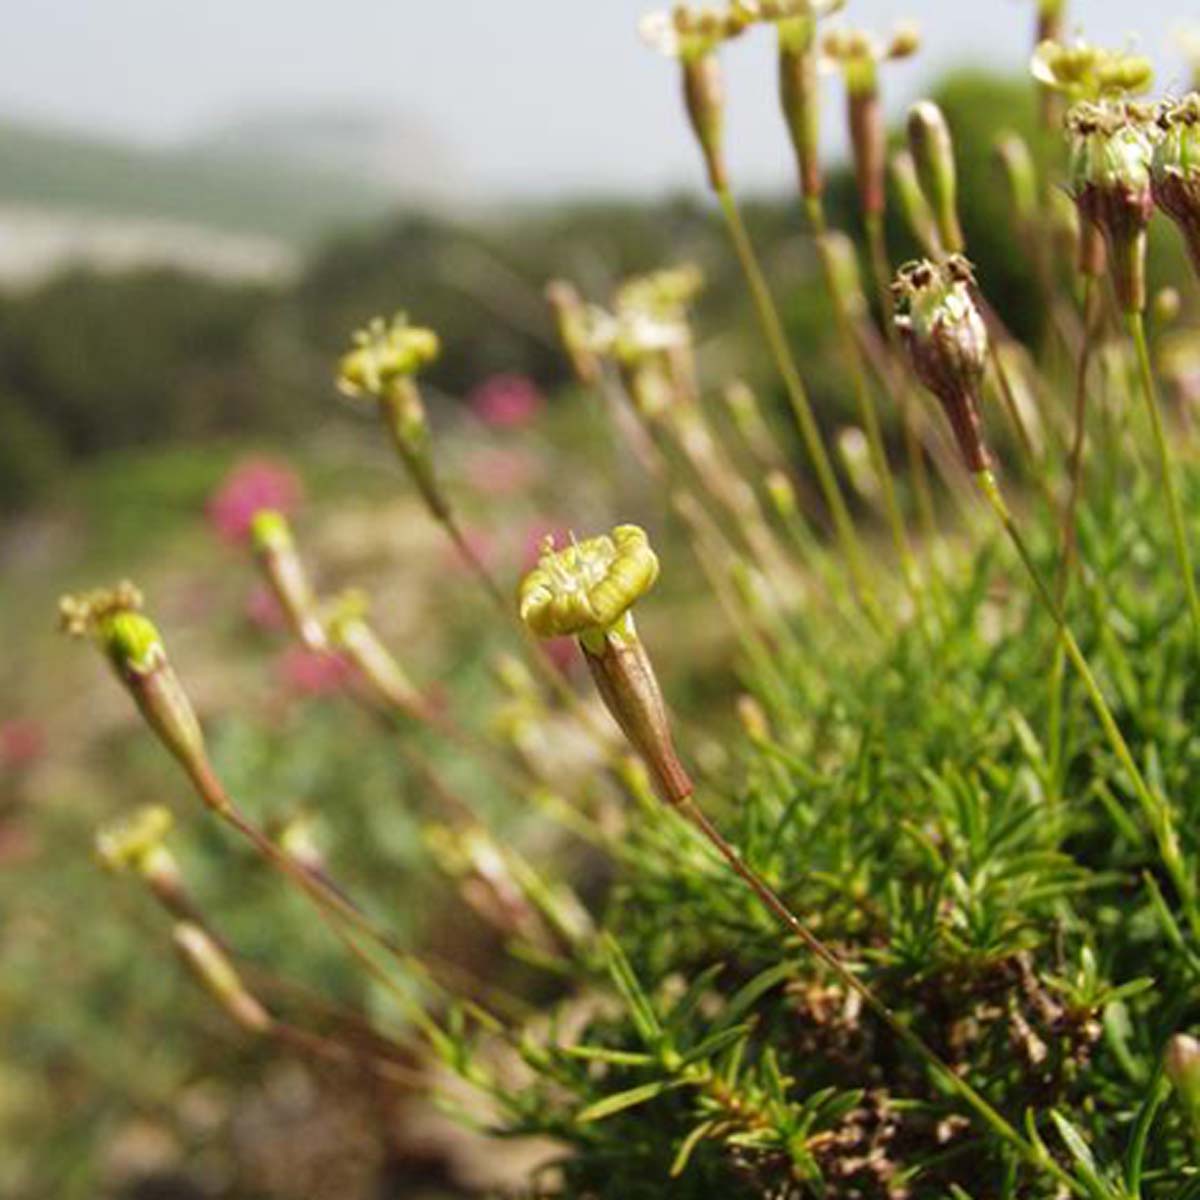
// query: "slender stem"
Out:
[1068,539]
[1032,1154]
[866,406]
[777,343]
[1137,331]
[1155,809]
[881,270]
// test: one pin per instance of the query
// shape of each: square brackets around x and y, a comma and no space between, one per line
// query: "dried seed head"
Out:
[1111,149]
[384,352]
[933,156]
[947,342]
[588,587]
[1082,71]
[1175,168]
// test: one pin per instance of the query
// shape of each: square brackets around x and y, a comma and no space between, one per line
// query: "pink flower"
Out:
[252,485]
[22,743]
[506,401]
[501,472]
[562,652]
[310,673]
[262,610]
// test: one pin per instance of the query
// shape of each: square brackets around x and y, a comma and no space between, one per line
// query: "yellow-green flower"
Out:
[588,587]
[691,33]
[127,842]
[1082,71]
[384,352]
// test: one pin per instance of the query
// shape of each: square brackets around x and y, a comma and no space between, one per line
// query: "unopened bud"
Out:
[913,204]
[800,98]
[136,843]
[933,154]
[704,97]
[855,452]
[1182,1066]
[754,719]
[868,140]
[1168,304]
[841,258]
[1020,175]
[211,967]
[782,494]
[947,343]
[1110,183]
[571,317]
[135,649]
[1175,169]
[352,636]
[275,550]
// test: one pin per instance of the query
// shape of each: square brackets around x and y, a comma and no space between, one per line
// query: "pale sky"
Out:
[536,96]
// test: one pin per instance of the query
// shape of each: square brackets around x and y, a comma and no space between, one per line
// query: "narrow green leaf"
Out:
[631,1098]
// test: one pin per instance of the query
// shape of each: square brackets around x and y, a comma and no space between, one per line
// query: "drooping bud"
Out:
[275,549]
[1110,182]
[1182,1065]
[571,317]
[587,590]
[134,648]
[918,216]
[352,635]
[1019,174]
[1175,169]
[947,342]
[383,364]
[211,967]
[933,156]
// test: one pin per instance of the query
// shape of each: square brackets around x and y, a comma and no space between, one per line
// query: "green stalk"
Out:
[1137,331]
[776,339]
[1154,808]
[867,409]
[1068,543]
[1034,1155]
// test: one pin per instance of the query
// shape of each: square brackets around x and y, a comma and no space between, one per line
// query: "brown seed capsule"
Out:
[947,342]
[1175,170]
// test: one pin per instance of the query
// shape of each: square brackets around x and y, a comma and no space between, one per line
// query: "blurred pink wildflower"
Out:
[262,610]
[506,401]
[22,743]
[495,471]
[252,485]
[311,673]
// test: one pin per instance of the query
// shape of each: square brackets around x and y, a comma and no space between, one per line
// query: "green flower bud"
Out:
[1082,71]
[133,646]
[1182,1066]
[352,635]
[571,319]
[1019,173]
[913,204]
[947,343]
[275,550]
[211,967]
[933,155]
